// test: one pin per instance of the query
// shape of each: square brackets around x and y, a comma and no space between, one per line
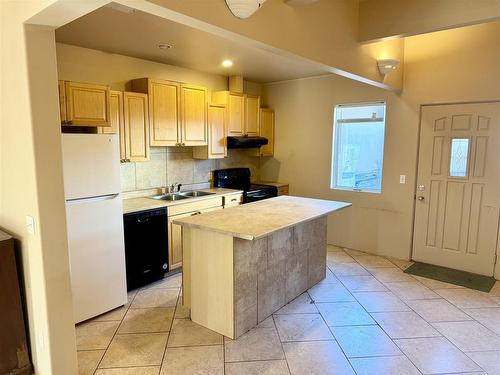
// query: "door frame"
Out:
[496,268]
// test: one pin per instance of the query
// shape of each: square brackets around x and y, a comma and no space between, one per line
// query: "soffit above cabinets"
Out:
[137,34]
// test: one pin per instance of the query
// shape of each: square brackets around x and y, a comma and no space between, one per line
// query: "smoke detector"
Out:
[244,8]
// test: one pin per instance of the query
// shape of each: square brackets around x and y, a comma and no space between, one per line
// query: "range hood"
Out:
[246,142]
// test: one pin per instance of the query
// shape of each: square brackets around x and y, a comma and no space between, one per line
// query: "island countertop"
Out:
[255,220]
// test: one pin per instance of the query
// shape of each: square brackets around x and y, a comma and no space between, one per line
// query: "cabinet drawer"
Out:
[194,206]
[233,200]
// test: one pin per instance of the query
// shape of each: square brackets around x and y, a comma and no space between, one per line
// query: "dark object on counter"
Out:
[146,246]
[239,178]
[14,356]
[246,142]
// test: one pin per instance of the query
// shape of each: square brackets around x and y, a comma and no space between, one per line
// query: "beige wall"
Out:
[317,32]
[448,66]
[31,183]
[380,19]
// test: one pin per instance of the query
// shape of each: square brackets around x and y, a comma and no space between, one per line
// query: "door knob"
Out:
[420,198]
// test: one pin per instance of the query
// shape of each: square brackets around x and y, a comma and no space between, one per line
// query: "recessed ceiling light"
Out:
[227,63]
[164,46]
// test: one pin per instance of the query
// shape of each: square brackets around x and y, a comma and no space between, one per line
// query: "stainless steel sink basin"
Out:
[196,193]
[170,197]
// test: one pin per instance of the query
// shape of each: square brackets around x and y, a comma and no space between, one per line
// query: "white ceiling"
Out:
[137,34]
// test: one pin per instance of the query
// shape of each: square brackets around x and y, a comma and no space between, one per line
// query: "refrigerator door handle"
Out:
[93,199]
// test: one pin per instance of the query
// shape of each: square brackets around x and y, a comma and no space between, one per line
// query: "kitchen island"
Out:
[242,264]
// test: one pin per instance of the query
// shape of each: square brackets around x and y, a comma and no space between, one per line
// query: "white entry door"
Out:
[458,187]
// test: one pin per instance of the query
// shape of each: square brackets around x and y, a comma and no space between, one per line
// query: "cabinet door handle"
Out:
[196,213]
[234,199]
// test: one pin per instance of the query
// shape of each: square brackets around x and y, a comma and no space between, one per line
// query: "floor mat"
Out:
[448,275]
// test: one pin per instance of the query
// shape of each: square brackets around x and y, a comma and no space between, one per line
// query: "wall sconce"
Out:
[387,65]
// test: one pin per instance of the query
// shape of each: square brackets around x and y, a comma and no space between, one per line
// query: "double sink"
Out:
[181,195]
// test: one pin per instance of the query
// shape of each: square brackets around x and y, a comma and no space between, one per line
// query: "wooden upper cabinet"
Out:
[194,115]
[86,104]
[252,115]
[62,101]
[216,148]
[136,126]
[235,107]
[267,131]
[163,109]
[116,119]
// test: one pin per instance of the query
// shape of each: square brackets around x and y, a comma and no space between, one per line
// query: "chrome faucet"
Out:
[170,189]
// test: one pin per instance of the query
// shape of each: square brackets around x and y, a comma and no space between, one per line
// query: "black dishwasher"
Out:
[146,246]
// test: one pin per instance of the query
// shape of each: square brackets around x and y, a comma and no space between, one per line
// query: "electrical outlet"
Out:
[402,179]
[30,224]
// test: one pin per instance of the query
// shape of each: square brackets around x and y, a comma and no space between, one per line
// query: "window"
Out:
[459,157]
[358,147]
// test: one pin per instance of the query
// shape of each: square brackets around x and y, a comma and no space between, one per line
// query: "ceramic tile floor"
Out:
[366,317]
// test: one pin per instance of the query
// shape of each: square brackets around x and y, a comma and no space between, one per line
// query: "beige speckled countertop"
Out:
[258,219]
[146,203]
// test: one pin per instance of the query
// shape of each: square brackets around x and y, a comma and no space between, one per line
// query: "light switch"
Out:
[30,224]
[402,179]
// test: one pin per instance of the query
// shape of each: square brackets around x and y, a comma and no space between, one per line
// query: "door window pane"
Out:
[358,147]
[459,157]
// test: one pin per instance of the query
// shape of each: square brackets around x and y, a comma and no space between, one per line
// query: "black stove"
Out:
[239,178]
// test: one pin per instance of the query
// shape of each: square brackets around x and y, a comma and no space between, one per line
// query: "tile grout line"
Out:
[169,331]
[281,343]
[117,328]
[441,335]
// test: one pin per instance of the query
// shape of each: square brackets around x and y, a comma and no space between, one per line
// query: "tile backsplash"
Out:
[168,165]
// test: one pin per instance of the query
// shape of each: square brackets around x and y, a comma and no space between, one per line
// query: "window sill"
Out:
[356,190]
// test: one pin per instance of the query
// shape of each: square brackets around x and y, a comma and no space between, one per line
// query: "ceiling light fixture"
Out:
[244,8]
[227,63]
[387,65]
[164,46]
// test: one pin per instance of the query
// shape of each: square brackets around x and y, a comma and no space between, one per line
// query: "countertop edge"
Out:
[253,237]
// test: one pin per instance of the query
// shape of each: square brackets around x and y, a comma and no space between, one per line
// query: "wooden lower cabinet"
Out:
[175,236]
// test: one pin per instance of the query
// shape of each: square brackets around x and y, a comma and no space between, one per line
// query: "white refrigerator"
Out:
[94,217]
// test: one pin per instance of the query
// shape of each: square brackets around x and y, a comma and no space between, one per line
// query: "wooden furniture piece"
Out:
[178,112]
[84,104]
[235,108]
[257,257]
[216,148]
[14,357]
[116,120]
[267,131]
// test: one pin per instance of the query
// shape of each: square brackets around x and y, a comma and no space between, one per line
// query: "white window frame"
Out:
[333,171]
